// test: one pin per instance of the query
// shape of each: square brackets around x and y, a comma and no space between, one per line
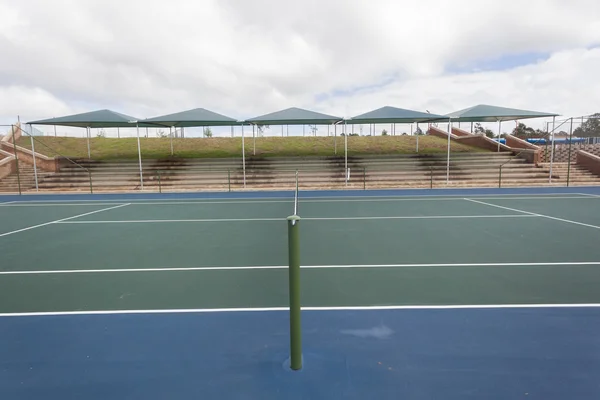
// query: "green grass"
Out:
[157,148]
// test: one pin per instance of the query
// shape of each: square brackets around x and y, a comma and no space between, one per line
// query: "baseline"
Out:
[268,309]
[263,267]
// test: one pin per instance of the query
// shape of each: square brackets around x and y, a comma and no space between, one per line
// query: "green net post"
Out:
[500,177]
[294,283]
[159,182]
[364,178]
[91,185]
[228,180]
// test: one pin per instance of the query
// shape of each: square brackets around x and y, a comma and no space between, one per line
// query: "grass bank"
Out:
[157,148]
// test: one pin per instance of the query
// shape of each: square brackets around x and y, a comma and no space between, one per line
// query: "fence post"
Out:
[159,182]
[364,178]
[228,180]
[12,130]
[569,158]
[500,177]
[91,185]
[430,177]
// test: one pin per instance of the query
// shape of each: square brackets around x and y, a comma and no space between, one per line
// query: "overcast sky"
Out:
[244,58]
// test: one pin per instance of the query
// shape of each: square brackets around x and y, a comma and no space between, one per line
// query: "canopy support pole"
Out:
[254,139]
[552,149]
[346,151]
[499,133]
[88,133]
[118,133]
[335,139]
[232,131]
[243,156]
[448,157]
[137,128]
[281,130]
[171,138]
[54,130]
[417,134]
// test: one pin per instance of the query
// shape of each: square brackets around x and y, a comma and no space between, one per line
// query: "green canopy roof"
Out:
[394,115]
[93,119]
[195,117]
[294,116]
[485,113]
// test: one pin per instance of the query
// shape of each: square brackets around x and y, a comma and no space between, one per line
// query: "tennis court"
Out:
[406,294]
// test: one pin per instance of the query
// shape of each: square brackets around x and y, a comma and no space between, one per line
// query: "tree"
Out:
[418,131]
[489,133]
[207,132]
[478,128]
[590,128]
[384,133]
[313,129]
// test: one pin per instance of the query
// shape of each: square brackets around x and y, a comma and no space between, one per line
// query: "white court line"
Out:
[333,308]
[152,221]
[313,199]
[589,195]
[302,200]
[61,220]
[535,214]
[275,267]
[7,202]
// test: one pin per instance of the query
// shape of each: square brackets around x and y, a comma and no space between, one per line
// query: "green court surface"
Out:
[103,255]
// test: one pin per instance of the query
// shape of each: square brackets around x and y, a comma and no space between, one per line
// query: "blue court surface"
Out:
[411,294]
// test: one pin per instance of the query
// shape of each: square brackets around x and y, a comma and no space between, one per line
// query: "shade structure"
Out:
[92,119]
[99,119]
[486,113]
[294,116]
[191,118]
[389,114]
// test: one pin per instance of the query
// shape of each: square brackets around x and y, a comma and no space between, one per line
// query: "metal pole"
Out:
[228,180]
[303,130]
[500,177]
[254,140]
[232,135]
[88,142]
[417,133]
[137,126]
[569,158]
[16,157]
[281,130]
[171,138]
[552,149]
[430,177]
[159,184]
[335,139]
[54,130]
[294,287]
[471,126]
[448,158]
[118,133]
[243,156]
[499,133]
[346,151]
[91,185]
[364,178]
[35,175]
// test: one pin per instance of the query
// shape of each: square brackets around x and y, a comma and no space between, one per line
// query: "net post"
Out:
[294,288]
[228,180]
[91,185]
[364,178]
[159,182]
[500,177]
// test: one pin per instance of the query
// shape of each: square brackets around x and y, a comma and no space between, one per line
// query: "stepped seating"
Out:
[390,171]
[10,184]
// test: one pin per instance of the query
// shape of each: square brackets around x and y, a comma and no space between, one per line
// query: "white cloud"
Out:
[244,58]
